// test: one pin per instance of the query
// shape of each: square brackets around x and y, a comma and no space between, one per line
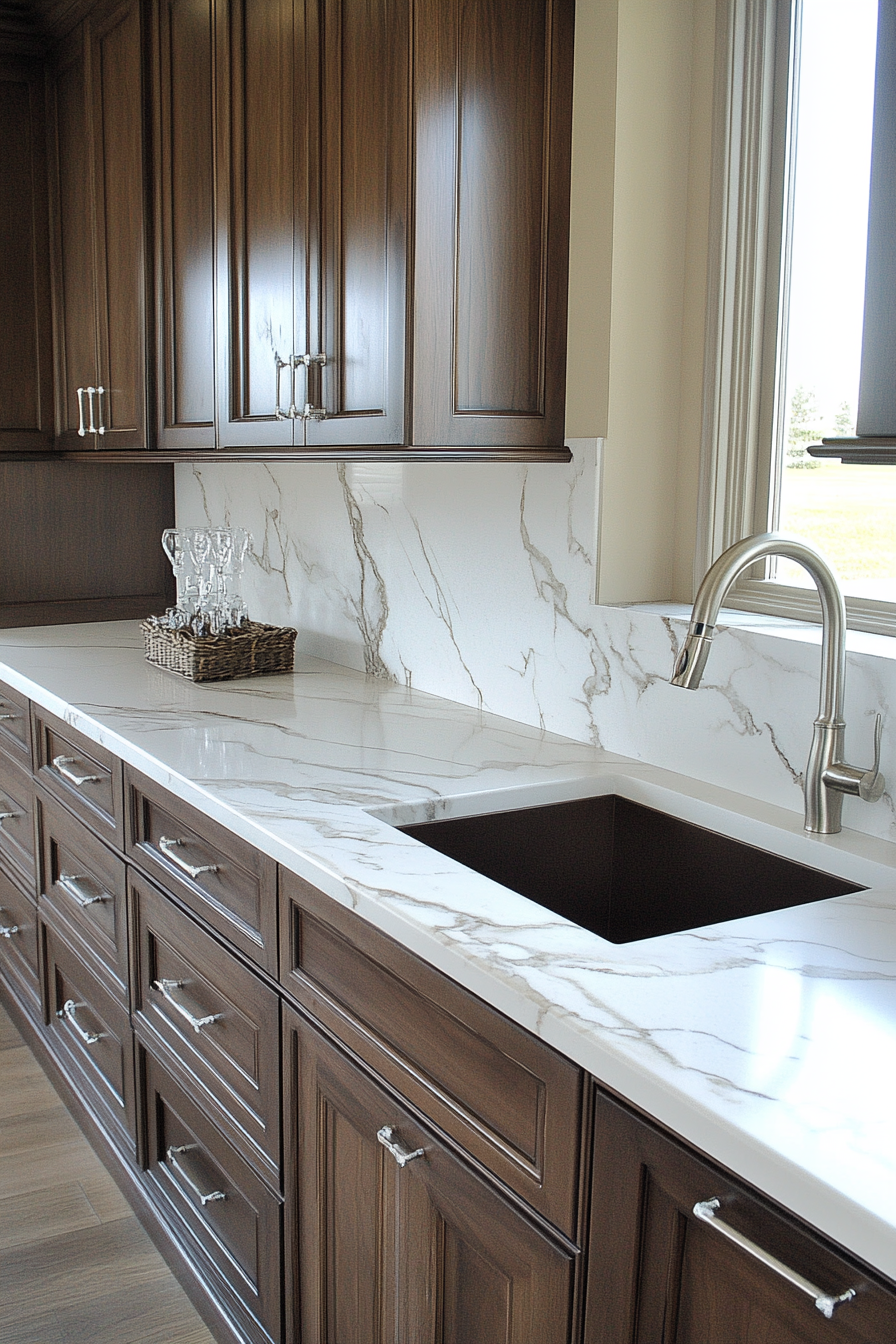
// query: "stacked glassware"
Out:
[208,567]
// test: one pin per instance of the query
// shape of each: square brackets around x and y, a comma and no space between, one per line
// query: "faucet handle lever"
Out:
[872,783]
[865,784]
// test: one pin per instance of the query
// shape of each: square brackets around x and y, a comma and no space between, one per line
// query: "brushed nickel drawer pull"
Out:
[402,1155]
[168,846]
[62,765]
[165,988]
[71,885]
[101,427]
[5,815]
[213,1196]
[7,930]
[6,715]
[82,428]
[826,1303]
[68,1011]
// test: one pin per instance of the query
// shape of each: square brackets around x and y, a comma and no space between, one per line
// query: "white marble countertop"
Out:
[769,1042]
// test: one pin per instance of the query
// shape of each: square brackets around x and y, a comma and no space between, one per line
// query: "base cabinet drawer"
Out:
[91,1038]
[226,1219]
[212,1020]
[17,837]
[18,944]
[15,730]
[659,1271]
[81,774]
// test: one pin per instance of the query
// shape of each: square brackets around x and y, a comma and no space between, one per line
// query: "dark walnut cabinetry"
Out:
[98,198]
[331,1140]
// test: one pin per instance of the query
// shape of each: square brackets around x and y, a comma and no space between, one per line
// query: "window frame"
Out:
[743,415]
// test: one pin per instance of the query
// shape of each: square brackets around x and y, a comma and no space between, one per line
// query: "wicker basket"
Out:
[248,652]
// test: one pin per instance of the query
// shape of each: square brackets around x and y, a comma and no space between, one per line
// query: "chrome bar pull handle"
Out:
[91,393]
[100,393]
[402,1155]
[826,1303]
[71,884]
[279,366]
[294,362]
[6,815]
[68,1011]
[7,715]
[63,766]
[82,428]
[7,930]
[165,988]
[212,1196]
[168,847]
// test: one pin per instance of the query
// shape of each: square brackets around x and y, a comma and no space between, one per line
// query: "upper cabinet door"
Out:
[184,182]
[26,338]
[493,103]
[262,220]
[100,233]
[358,251]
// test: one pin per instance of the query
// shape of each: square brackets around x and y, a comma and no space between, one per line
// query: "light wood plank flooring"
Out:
[76,1267]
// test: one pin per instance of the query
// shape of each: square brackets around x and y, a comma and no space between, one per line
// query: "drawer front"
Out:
[81,774]
[219,1022]
[507,1098]
[17,842]
[92,1038]
[15,730]
[18,942]
[228,1220]
[84,885]
[221,878]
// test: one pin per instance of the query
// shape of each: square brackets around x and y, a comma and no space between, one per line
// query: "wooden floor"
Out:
[76,1267]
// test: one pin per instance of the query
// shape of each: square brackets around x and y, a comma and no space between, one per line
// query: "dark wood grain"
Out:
[430,1251]
[493,114]
[15,726]
[18,950]
[26,334]
[183,171]
[81,541]
[98,799]
[17,842]
[658,1276]
[508,1099]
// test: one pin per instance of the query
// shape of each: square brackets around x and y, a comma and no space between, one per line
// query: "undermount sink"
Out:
[625,871]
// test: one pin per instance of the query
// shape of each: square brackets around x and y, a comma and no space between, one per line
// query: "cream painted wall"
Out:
[638,261]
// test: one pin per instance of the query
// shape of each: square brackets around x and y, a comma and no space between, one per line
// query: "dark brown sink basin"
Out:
[623,870]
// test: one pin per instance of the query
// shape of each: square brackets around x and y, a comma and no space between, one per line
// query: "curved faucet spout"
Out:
[827,776]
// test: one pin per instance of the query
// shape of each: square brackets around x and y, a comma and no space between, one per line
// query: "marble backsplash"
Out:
[476,582]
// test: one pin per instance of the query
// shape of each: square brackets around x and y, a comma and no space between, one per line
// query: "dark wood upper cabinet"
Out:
[26,338]
[312,212]
[493,99]
[184,222]
[99,261]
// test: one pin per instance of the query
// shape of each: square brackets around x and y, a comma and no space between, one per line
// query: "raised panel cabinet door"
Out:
[183,105]
[658,1274]
[397,1240]
[74,258]
[493,94]
[358,242]
[262,218]
[119,237]
[26,335]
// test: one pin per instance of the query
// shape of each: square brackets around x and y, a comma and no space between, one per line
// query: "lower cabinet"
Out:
[18,945]
[659,1274]
[391,1237]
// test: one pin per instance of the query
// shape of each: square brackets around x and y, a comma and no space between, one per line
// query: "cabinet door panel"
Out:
[75,264]
[359,314]
[658,1275]
[118,183]
[184,107]
[262,182]
[493,100]
[26,351]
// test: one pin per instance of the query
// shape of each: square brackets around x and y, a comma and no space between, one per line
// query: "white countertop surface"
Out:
[769,1042]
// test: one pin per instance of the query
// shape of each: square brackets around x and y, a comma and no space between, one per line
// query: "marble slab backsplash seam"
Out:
[475,581]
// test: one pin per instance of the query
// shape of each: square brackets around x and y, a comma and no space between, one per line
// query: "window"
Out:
[793,160]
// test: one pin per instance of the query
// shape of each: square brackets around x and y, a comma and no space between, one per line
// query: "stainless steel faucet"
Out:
[827,776]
